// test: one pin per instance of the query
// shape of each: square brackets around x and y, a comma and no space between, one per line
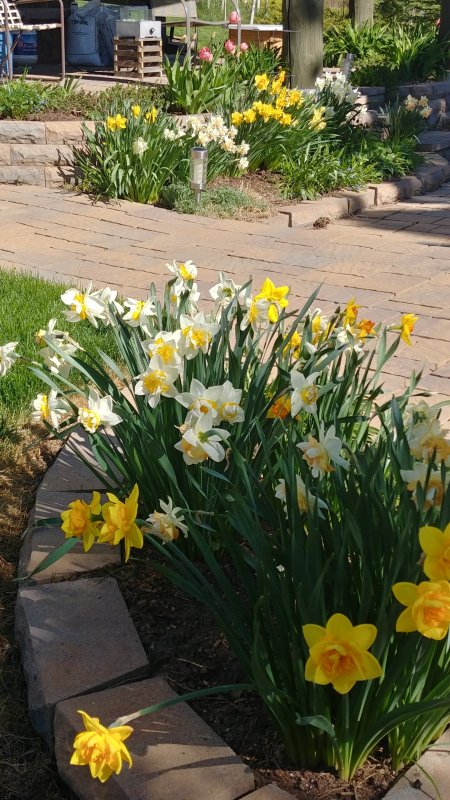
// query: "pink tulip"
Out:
[234,18]
[244,47]
[230,47]
[205,54]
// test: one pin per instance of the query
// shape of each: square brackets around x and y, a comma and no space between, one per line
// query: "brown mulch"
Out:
[184,644]
[267,185]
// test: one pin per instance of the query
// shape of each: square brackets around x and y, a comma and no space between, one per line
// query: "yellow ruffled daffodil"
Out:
[249,116]
[262,82]
[120,522]
[436,547]
[365,328]
[427,608]
[275,296]
[237,118]
[338,653]
[101,749]
[136,111]
[78,520]
[116,123]
[280,408]
[350,313]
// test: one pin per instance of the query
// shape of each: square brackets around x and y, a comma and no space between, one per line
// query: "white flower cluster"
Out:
[48,339]
[421,105]
[8,356]
[428,442]
[211,130]
[338,84]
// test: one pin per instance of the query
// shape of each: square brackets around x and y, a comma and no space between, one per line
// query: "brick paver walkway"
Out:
[394,259]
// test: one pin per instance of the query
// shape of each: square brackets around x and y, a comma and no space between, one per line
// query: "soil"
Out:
[267,185]
[184,644]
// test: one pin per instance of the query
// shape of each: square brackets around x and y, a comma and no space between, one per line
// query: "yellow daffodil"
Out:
[280,408]
[120,522]
[338,653]
[436,546]
[237,118]
[117,123]
[152,115]
[286,119]
[275,296]
[350,313]
[427,608]
[100,748]
[249,116]
[78,520]
[293,346]
[295,98]
[406,327]
[277,84]
[317,122]
[262,82]
[282,99]
[136,111]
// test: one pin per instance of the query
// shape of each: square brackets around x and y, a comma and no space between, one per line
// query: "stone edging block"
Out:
[74,637]
[175,753]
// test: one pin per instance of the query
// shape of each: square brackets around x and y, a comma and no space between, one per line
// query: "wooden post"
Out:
[303,42]
[361,11]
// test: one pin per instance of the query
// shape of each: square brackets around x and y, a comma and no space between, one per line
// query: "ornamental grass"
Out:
[256,453]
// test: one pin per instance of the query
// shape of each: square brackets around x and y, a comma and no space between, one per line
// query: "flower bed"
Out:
[325,495]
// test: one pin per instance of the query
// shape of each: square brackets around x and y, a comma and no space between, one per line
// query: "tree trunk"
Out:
[303,42]
[444,27]
[361,11]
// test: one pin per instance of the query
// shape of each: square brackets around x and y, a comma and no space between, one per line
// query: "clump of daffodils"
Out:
[339,86]
[212,131]
[419,105]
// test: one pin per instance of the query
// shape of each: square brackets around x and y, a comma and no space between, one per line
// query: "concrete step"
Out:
[434,142]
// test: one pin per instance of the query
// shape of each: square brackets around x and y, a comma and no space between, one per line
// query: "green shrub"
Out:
[222,202]
[325,170]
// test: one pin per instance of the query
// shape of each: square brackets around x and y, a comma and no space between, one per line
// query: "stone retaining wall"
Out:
[39,153]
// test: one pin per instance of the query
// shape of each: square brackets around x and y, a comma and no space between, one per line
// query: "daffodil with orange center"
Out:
[120,522]
[338,653]
[275,296]
[101,748]
[436,546]
[427,608]
[78,520]
[280,408]
[365,328]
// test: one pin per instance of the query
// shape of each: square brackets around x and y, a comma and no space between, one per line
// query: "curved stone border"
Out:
[80,649]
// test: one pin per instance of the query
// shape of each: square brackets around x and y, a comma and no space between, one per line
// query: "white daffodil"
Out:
[228,405]
[139,312]
[8,356]
[49,408]
[108,297]
[196,335]
[165,345]
[49,334]
[185,271]
[305,394]
[225,291]
[157,381]
[257,315]
[202,441]
[435,488]
[320,453]
[97,412]
[167,524]
[306,501]
[83,305]
[200,400]
[243,163]
[139,147]
[180,291]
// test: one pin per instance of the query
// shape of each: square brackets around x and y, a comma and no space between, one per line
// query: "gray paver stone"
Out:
[270,792]
[5,155]
[176,755]
[69,132]
[41,154]
[74,637]
[51,503]
[26,132]
[69,473]
[415,784]
[387,192]
[31,175]
[40,542]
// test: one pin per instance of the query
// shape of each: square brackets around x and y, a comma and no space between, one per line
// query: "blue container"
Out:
[3,52]
[25,51]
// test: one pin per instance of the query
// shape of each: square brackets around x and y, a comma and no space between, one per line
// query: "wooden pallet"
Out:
[140,58]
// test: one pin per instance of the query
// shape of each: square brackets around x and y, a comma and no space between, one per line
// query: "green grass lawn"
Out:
[27,304]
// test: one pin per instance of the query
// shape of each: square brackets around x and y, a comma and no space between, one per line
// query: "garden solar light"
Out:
[198,170]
